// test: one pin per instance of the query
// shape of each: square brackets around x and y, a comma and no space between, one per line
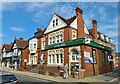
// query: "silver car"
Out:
[7,78]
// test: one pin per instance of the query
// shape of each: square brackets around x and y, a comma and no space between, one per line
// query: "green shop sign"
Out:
[96,45]
[65,44]
[75,43]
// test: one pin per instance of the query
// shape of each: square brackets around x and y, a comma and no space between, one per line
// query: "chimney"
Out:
[94,31]
[38,29]
[21,39]
[80,23]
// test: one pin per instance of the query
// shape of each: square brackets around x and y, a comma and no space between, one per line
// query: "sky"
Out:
[21,19]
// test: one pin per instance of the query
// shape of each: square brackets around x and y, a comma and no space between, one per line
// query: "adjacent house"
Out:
[70,41]
[6,55]
[33,46]
[20,54]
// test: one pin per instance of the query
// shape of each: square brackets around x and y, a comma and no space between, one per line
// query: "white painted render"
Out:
[74,24]
[14,46]
[33,42]
[85,29]
[50,27]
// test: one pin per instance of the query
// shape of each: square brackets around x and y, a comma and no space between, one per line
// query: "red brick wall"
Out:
[25,55]
[66,55]
[99,68]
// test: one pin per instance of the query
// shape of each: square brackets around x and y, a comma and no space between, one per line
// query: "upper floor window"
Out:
[61,38]
[73,34]
[56,37]
[55,22]
[50,40]
[43,41]
[103,58]
[53,39]
[34,45]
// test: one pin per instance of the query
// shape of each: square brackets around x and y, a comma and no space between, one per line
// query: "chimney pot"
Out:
[21,38]
[94,21]
[38,29]
[79,10]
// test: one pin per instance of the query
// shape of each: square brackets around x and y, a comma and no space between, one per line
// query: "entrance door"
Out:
[75,61]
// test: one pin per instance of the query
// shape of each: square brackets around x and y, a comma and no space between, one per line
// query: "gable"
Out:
[85,29]
[51,28]
[4,49]
[14,46]
[74,24]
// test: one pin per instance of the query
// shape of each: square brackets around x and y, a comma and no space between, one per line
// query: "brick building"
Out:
[6,55]
[70,41]
[34,46]
[20,53]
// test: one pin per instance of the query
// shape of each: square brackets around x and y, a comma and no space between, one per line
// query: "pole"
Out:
[69,63]
[79,65]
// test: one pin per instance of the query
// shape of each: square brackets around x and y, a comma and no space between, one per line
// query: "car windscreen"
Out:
[8,78]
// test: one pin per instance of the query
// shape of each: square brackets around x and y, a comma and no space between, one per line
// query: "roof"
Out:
[67,21]
[38,34]
[21,44]
[7,47]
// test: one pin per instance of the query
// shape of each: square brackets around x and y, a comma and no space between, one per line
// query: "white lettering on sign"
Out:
[59,45]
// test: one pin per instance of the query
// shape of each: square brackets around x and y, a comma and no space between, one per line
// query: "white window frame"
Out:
[76,58]
[59,58]
[51,59]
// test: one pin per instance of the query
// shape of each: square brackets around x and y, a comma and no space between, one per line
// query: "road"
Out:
[30,80]
[110,77]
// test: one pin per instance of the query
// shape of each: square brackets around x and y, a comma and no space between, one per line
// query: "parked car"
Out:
[7,78]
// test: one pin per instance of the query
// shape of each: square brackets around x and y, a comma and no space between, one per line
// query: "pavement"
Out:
[99,78]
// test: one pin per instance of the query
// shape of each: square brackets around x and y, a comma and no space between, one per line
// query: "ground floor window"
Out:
[55,56]
[51,59]
[33,59]
[59,58]
[103,57]
[75,58]
[94,56]
[74,55]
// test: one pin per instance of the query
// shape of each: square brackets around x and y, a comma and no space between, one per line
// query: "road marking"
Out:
[114,79]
